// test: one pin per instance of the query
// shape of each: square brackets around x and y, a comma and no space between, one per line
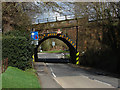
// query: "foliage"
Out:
[14,17]
[16,78]
[103,59]
[47,45]
[17,47]
[96,10]
[99,47]
[20,15]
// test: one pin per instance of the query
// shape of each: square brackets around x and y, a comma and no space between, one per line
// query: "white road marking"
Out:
[46,63]
[42,53]
[51,69]
[54,77]
[84,76]
[53,74]
[103,83]
[58,56]
[57,82]
[97,80]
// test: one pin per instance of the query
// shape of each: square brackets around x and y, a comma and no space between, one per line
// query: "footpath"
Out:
[45,77]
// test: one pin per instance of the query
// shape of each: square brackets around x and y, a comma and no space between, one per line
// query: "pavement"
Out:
[46,80]
[59,75]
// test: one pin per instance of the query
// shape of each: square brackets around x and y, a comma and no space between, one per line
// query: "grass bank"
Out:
[16,78]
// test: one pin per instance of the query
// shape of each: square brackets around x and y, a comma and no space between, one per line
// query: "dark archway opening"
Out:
[71,49]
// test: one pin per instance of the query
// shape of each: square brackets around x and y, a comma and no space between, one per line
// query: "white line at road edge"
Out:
[99,81]
[51,71]
[82,75]
[104,83]
[54,76]
[57,82]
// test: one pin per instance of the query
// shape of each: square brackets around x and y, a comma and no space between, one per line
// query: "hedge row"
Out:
[16,46]
[102,59]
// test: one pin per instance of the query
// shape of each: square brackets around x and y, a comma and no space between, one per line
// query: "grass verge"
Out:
[67,56]
[16,78]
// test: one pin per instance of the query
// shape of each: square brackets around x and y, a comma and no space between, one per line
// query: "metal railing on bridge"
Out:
[57,18]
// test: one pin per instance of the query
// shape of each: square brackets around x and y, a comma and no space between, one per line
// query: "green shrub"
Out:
[103,59]
[16,46]
[46,45]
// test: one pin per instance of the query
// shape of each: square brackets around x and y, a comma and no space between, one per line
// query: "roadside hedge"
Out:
[16,46]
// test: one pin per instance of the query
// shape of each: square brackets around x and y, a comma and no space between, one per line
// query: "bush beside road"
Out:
[16,46]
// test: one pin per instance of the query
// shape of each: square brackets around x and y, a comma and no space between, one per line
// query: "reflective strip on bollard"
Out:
[33,58]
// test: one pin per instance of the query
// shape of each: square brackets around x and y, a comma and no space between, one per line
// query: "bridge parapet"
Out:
[60,24]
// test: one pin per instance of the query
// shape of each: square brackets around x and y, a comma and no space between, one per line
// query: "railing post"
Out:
[47,20]
[38,21]
[56,18]
[6,63]
[2,66]
[65,17]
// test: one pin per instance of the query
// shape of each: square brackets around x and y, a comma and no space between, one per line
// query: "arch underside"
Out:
[67,41]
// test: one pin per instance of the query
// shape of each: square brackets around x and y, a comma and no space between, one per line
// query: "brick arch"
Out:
[66,39]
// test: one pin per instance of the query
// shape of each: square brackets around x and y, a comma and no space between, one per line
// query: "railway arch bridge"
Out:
[69,36]
[66,39]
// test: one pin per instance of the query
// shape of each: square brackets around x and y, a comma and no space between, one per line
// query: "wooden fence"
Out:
[4,64]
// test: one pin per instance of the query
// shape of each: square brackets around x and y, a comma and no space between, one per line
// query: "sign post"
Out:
[53,43]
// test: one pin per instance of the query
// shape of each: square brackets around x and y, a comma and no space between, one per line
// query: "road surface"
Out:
[58,75]
[52,55]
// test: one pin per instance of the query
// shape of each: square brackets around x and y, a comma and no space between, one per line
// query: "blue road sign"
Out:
[34,35]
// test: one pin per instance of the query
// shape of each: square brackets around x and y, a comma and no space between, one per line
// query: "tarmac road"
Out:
[51,55]
[74,77]
[59,75]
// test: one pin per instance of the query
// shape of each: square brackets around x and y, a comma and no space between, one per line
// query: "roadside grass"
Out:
[0,81]
[67,56]
[0,35]
[60,51]
[16,78]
